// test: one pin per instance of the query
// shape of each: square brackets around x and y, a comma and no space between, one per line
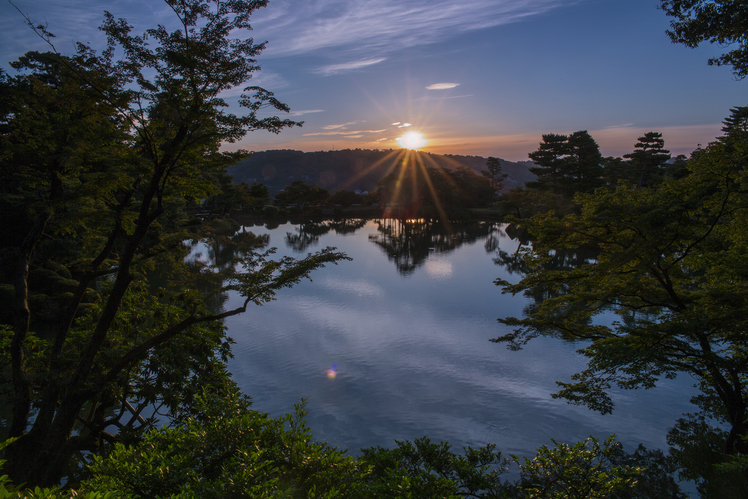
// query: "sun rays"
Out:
[412,140]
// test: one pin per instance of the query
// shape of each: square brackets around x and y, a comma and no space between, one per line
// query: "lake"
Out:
[405,327]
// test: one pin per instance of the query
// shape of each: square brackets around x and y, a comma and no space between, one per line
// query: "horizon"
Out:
[484,78]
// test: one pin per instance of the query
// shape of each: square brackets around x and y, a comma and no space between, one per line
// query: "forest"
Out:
[108,163]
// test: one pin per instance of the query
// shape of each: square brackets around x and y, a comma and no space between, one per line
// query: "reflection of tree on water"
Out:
[308,232]
[517,262]
[225,243]
[408,243]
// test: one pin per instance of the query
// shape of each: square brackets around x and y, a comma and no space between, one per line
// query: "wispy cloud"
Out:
[345,133]
[340,126]
[383,26]
[71,21]
[306,111]
[265,79]
[622,125]
[442,86]
[332,69]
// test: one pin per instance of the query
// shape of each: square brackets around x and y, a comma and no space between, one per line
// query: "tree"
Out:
[551,159]
[301,194]
[724,22]
[567,164]
[584,469]
[495,176]
[102,160]
[647,165]
[670,263]
[345,198]
[585,163]
[260,195]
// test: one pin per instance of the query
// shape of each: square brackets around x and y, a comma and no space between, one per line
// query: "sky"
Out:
[474,77]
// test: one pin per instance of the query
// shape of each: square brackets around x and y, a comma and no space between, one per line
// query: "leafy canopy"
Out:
[724,22]
[105,159]
[668,261]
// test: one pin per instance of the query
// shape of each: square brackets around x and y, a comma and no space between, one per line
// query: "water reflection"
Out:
[410,346]
[219,248]
[408,243]
[308,233]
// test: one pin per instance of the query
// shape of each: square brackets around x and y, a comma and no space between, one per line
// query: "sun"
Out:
[412,140]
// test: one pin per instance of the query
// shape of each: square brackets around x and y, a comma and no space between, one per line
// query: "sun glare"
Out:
[412,140]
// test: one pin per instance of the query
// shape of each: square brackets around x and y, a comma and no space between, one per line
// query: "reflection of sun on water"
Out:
[439,269]
[412,140]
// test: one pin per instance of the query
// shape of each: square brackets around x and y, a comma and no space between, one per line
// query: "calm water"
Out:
[406,325]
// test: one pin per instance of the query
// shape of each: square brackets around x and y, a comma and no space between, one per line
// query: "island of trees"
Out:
[111,169]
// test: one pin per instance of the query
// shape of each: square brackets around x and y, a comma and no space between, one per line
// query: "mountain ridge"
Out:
[352,169]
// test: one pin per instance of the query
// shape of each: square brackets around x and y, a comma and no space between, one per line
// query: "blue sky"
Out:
[480,77]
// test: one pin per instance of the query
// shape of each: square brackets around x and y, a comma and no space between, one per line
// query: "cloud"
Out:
[622,125]
[72,21]
[442,86]
[342,125]
[348,66]
[264,79]
[345,133]
[306,111]
[383,26]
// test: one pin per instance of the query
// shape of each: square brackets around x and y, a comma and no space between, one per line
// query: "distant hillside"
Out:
[350,169]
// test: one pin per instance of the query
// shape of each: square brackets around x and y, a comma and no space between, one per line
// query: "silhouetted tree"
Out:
[724,22]
[647,165]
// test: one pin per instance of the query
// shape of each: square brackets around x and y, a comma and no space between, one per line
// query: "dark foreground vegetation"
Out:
[109,328]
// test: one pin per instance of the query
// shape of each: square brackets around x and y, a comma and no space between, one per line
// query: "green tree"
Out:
[647,162]
[494,174]
[101,160]
[585,469]
[724,22]
[550,160]
[345,198]
[260,195]
[670,263]
[302,194]
[567,164]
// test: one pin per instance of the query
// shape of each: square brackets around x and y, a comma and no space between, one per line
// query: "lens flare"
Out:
[412,140]
[331,373]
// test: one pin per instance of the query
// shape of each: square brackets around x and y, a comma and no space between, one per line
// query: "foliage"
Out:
[584,469]
[345,198]
[724,22]
[301,194]
[669,263]
[647,164]
[415,190]
[495,174]
[228,451]
[103,160]
[423,469]
[698,444]
[567,164]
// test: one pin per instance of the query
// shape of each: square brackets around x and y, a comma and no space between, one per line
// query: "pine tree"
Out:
[648,160]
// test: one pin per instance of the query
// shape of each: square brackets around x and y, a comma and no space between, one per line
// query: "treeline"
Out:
[567,165]
[349,169]
[421,185]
